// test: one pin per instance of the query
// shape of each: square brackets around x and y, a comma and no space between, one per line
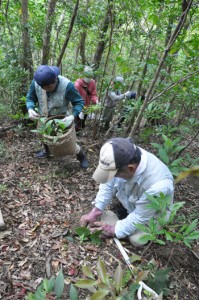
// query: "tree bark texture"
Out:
[47,31]
[27,61]
[102,38]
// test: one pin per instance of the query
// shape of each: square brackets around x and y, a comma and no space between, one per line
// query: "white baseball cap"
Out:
[114,154]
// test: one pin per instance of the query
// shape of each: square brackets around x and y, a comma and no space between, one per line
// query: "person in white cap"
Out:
[53,93]
[112,96]
[86,86]
[130,173]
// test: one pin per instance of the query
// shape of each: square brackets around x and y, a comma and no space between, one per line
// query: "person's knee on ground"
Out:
[109,217]
[134,239]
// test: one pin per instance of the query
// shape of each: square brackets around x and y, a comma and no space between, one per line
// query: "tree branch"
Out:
[174,84]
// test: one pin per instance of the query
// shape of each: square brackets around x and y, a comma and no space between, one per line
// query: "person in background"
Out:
[112,96]
[86,86]
[131,174]
[53,93]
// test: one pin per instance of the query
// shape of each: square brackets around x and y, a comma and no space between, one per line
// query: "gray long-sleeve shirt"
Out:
[151,177]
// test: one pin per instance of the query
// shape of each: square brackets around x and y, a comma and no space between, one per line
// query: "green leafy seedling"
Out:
[85,234]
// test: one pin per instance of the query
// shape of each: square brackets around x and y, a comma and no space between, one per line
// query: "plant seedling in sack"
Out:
[54,127]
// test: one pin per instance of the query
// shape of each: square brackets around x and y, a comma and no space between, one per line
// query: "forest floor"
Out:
[42,201]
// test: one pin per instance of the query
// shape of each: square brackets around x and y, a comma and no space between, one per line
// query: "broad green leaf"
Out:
[187,244]
[95,237]
[191,227]
[73,293]
[87,271]
[85,283]
[168,236]
[99,295]
[59,284]
[158,146]
[193,236]
[47,284]
[118,276]
[163,156]
[160,242]
[82,231]
[40,294]
[102,271]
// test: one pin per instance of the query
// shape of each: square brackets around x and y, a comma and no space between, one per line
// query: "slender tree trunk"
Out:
[82,47]
[171,41]
[57,32]
[47,31]
[102,37]
[68,33]
[27,61]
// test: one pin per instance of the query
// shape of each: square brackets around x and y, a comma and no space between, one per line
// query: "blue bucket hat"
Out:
[46,75]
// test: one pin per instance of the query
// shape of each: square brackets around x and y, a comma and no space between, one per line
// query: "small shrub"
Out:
[49,289]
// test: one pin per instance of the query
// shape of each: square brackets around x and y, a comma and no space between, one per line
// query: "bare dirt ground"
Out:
[42,201]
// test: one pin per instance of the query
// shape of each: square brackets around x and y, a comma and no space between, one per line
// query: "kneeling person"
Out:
[129,173]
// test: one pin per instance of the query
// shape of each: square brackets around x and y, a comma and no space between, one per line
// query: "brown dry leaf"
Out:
[91,248]
[25,274]
[55,265]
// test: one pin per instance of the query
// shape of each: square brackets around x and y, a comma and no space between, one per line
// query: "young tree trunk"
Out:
[82,47]
[68,33]
[57,32]
[27,61]
[102,38]
[171,41]
[47,31]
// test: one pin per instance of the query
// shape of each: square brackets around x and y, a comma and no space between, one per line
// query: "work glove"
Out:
[107,230]
[68,120]
[91,116]
[33,115]
[81,115]
[132,95]
[91,217]
[128,94]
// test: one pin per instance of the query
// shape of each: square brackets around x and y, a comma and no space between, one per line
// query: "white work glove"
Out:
[91,116]
[81,115]
[128,94]
[68,119]
[33,115]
